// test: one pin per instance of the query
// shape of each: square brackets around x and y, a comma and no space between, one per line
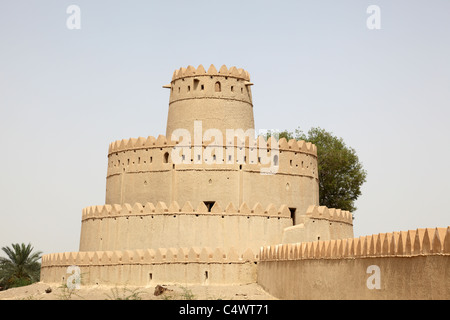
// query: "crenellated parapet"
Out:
[329,214]
[190,71]
[194,265]
[293,145]
[161,208]
[426,241]
[149,256]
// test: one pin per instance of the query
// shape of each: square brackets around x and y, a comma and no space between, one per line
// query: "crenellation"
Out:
[160,255]
[446,244]
[426,241]
[190,71]
[174,207]
[152,143]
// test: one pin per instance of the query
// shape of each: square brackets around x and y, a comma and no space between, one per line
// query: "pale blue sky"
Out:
[66,94]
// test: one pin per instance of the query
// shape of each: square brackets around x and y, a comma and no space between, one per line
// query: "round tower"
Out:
[219,99]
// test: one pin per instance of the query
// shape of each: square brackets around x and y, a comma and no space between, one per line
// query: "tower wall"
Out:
[142,170]
[220,99]
[142,226]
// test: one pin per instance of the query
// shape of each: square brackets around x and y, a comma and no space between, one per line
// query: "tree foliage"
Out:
[341,174]
[21,267]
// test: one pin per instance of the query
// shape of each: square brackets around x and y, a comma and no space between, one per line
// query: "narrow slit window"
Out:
[217,87]
[292,210]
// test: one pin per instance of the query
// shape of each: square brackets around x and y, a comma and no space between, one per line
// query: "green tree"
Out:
[21,267]
[341,174]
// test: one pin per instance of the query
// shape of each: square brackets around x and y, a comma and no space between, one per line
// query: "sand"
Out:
[37,291]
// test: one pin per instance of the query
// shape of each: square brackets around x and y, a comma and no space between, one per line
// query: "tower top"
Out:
[219,99]
[190,71]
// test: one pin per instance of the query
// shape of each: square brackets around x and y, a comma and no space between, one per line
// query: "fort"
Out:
[211,203]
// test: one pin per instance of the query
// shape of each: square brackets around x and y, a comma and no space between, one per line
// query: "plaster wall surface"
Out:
[399,265]
[419,277]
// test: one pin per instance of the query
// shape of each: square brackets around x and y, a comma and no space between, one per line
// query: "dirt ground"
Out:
[37,291]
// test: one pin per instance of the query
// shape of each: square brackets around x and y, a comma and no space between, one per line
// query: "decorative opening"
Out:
[209,204]
[166,157]
[217,87]
[275,160]
[196,82]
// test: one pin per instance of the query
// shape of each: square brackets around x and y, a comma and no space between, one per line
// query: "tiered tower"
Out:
[208,192]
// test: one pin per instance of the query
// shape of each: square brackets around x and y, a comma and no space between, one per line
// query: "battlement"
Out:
[190,71]
[161,208]
[259,142]
[329,214]
[193,265]
[417,242]
[148,256]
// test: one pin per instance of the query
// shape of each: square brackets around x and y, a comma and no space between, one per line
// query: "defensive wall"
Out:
[152,267]
[412,264]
